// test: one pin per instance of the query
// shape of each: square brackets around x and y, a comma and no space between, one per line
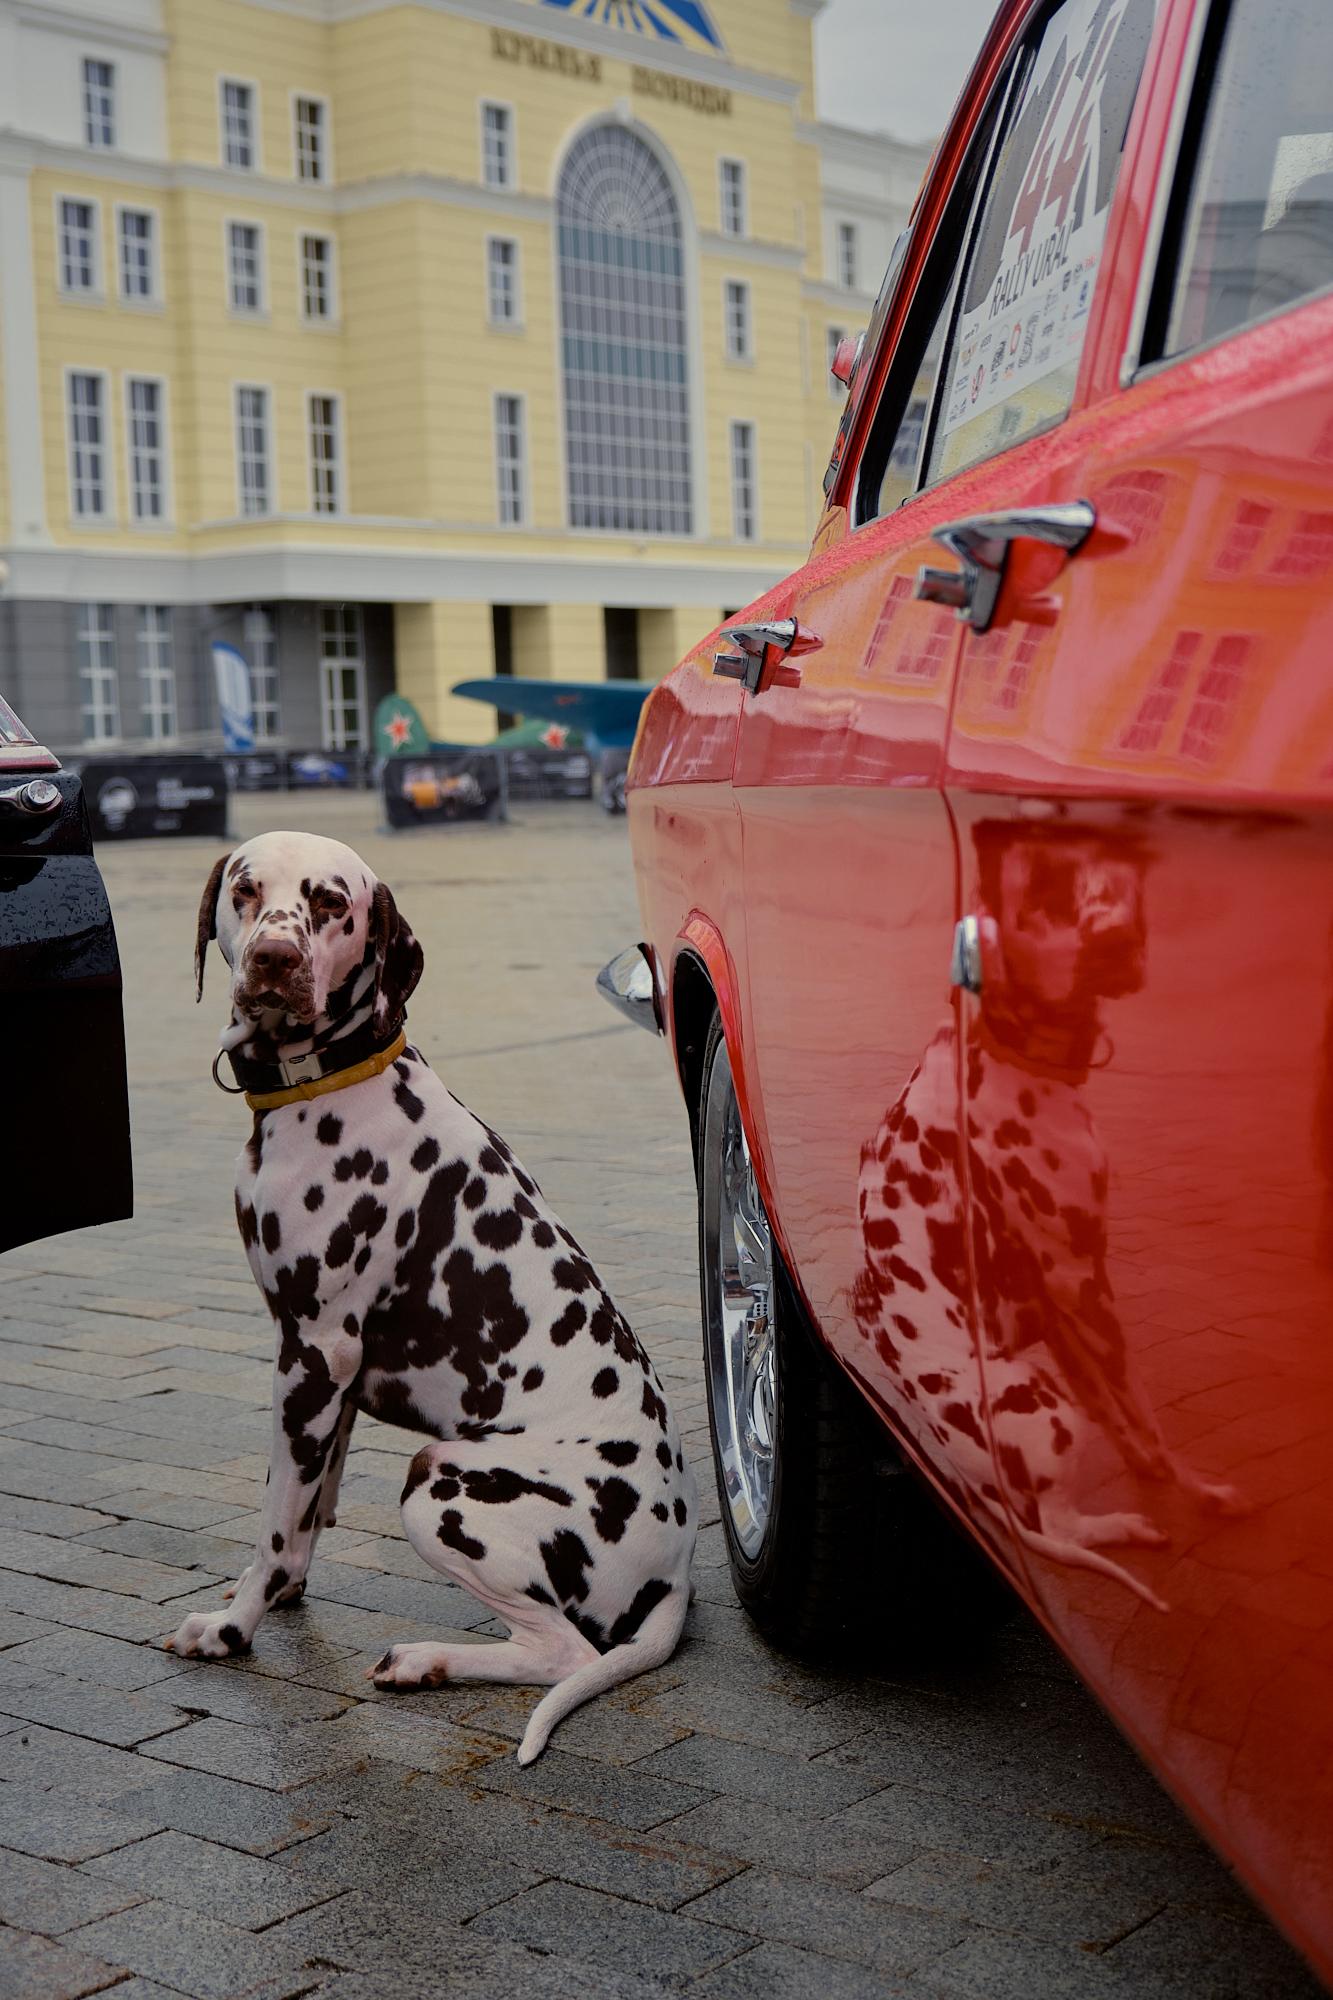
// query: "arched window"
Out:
[623,338]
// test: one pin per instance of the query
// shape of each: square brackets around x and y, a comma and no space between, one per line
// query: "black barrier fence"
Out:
[445,786]
[301,770]
[537,772]
[130,797]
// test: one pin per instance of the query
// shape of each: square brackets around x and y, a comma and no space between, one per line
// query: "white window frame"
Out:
[331,738]
[737,331]
[748,425]
[97,289]
[743,196]
[244,513]
[335,465]
[106,514]
[513,321]
[265,678]
[296,98]
[833,339]
[510,182]
[260,309]
[164,518]
[102,674]
[154,634]
[105,114]
[253,164]
[153,296]
[304,236]
[506,496]
[847,239]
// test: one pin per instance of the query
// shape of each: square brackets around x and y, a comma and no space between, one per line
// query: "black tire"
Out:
[854,1553]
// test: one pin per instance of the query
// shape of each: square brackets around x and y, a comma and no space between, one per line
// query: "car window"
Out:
[1018,334]
[11,729]
[1255,231]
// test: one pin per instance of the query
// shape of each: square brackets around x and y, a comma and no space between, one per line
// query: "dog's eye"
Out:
[335,906]
[243,893]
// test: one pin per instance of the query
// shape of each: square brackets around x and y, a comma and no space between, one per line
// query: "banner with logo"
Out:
[132,797]
[235,703]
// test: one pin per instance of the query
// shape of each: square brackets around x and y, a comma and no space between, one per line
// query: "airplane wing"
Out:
[607,712]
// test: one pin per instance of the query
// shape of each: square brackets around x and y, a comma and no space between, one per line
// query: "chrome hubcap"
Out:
[742,1359]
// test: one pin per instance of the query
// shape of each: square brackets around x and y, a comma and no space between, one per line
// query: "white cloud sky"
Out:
[896,65]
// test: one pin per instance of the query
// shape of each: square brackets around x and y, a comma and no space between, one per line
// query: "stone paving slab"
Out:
[736,1825]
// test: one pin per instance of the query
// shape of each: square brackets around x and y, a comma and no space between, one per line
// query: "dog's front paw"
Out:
[404,1667]
[202,1637]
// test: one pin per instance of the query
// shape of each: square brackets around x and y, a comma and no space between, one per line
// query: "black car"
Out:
[65,1096]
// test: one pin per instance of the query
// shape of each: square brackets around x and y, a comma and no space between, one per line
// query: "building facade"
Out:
[403,341]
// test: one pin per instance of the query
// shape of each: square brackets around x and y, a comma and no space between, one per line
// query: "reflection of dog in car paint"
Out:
[1064,928]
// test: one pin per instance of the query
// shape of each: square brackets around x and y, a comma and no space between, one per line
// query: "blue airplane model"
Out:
[606,712]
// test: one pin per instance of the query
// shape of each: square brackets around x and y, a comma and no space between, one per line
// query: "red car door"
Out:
[1140,767]
[850,870]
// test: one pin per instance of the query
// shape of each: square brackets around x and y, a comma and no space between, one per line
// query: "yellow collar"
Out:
[341,1079]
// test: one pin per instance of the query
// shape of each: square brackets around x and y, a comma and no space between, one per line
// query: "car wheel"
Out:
[833,1542]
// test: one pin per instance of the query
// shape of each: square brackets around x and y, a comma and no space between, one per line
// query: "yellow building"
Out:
[402,341]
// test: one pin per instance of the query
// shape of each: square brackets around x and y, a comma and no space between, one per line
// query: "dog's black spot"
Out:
[569,1322]
[367,1216]
[538,1594]
[616,1503]
[408,1103]
[653,1406]
[659,1510]
[573,1274]
[379,1173]
[405,1225]
[426,1154]
[329,1130]
[474,1194]
[418,1472]
[270,1229]
[565,1557]
[543,1235]
[361,1259]
[496,1485]
[314,1197]
[619,1451]
[645,1599]
[498,1232]
[533,1379]
[454,1536]
[278,1581]
[678,1507]
[247,1222]
[340,1246]
[664,1454]
[277,1545]
[234,1639]
[489,1160]
[605,1382]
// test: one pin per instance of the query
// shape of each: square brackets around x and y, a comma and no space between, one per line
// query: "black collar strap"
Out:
[272,1079]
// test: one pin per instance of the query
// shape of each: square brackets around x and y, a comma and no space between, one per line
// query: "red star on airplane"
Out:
[554,736]
[398,729]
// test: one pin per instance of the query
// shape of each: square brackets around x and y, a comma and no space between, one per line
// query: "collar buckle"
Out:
[301,1069]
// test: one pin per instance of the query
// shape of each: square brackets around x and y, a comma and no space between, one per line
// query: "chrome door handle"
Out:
[981,543]
[742,658]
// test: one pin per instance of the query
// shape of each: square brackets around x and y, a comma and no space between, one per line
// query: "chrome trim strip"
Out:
[1131,359]
[627,982]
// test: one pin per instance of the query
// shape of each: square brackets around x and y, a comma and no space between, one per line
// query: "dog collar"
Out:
[266,1086]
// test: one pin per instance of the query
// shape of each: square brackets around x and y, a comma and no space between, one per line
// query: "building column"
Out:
[665,637]
[436,645]
[559,642]
[21,429]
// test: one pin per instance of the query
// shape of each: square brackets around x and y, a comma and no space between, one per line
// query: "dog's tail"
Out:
[654,1642]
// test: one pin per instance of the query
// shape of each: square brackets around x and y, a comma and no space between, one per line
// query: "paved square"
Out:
[732,1825]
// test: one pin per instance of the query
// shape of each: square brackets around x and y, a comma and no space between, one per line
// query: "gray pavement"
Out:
[733,1825]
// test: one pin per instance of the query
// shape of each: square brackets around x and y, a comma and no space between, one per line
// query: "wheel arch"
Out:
[703,980]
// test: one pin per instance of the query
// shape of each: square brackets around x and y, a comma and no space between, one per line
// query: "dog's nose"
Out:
[275,956]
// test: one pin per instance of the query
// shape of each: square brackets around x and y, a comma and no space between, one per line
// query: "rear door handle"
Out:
[982,543]
[748,647]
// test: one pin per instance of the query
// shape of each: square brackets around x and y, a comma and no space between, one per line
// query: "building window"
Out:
[87,447]
[99,102]
[502,280]
[737,314]
[497,145]
[742,482]
[847,255]
[99,693]
[311,149]
[624,342]
[148,501]
[157,673]
[245,271]
[138,253]
[238,124]
[342,656]
[836,336]
[317,277]
[260,637]
[733,197]
[252,467]
[325,488]
[509,459]
[78,246]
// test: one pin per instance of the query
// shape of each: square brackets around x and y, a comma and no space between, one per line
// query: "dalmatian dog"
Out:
[414,1270]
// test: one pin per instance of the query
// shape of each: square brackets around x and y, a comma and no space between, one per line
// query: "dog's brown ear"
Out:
[208,923]
[398,961]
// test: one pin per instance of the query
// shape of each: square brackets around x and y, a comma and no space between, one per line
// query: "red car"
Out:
[986,872]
